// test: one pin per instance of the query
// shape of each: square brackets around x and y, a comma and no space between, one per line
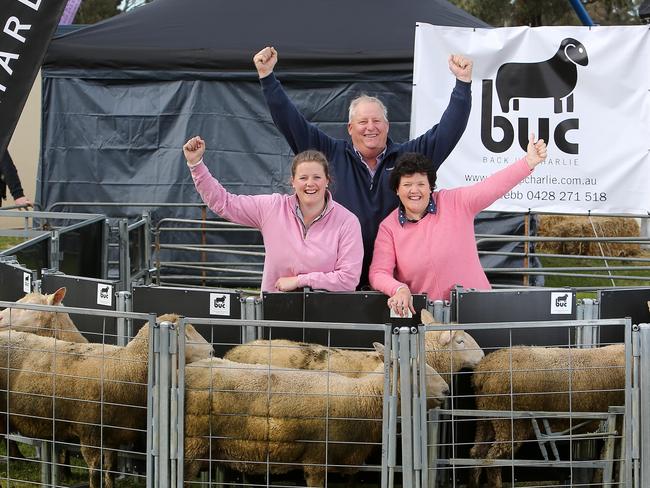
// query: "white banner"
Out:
[584,90]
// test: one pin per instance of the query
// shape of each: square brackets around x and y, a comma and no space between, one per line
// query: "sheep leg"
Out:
[110,461]
[192,470]
[484,435]
[506,444]
[557,105]
[196,450]
[92,457]
[12,447]
[64,462]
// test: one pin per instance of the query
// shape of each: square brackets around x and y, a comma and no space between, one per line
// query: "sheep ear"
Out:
[57,297]
[445,338]
[425,317]
[379,347]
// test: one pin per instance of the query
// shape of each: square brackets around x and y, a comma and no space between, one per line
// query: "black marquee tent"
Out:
[121,97]
[324,36]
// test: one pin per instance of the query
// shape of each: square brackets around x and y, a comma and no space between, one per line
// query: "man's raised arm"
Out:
[299,133]
[438,142]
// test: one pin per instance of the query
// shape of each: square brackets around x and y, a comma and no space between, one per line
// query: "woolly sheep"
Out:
[446,352]
[538,379]
[48,324]
[93,385]
[246,414]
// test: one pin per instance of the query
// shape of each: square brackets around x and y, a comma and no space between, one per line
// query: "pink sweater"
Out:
[438,252]
[329,255]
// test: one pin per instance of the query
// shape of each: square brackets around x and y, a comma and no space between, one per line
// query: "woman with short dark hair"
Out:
[427,245]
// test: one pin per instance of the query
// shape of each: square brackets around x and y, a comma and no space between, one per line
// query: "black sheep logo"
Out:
[220,302]
[554,78]
[103,292]
[561,300]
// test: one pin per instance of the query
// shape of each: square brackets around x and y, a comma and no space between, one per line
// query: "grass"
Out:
[578,281]
[23,473]
[20,473]
[7,242]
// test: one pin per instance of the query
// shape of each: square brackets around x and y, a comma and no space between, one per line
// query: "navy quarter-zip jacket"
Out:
[370,199]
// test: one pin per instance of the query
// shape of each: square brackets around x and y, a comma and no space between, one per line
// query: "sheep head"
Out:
[439,344]
[46,324]
[29,319]
[196,347]
[574,51]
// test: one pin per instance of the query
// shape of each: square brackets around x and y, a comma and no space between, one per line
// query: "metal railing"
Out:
[218,253]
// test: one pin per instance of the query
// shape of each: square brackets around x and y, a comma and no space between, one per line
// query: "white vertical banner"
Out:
[584,90]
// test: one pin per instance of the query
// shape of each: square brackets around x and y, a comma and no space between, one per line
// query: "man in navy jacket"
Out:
[361,167]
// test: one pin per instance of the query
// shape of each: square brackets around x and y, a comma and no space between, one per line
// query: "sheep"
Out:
[246,415]
[48,324]
[554,78]
[449,351]
[538,379]
[83,387]
[446,352]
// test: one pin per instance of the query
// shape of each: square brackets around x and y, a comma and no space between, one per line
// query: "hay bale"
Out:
[570,226]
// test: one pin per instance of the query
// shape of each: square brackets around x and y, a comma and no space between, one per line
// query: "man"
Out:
[9,178]
[361,167]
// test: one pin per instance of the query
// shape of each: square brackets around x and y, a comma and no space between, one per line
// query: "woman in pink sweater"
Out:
[309,239]
[427,244]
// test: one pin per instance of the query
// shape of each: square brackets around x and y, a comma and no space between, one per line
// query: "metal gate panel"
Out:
[231,407]
[554,443]
[627,302]
[76,403]
[355,307]
[195,302]
[516,306]
[88,293]
[15,281]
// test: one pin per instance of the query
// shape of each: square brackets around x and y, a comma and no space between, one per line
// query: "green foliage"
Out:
[507,13]
[92,11]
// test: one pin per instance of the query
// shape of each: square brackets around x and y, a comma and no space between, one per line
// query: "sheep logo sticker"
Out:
[105,294]
[220,304]
[555,78]
[561,303]
[27,282]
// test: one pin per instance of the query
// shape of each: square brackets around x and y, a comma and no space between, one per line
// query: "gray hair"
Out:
[366,98]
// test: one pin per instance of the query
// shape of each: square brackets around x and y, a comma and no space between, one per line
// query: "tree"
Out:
[506,13]
[614,12]
[92,11]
